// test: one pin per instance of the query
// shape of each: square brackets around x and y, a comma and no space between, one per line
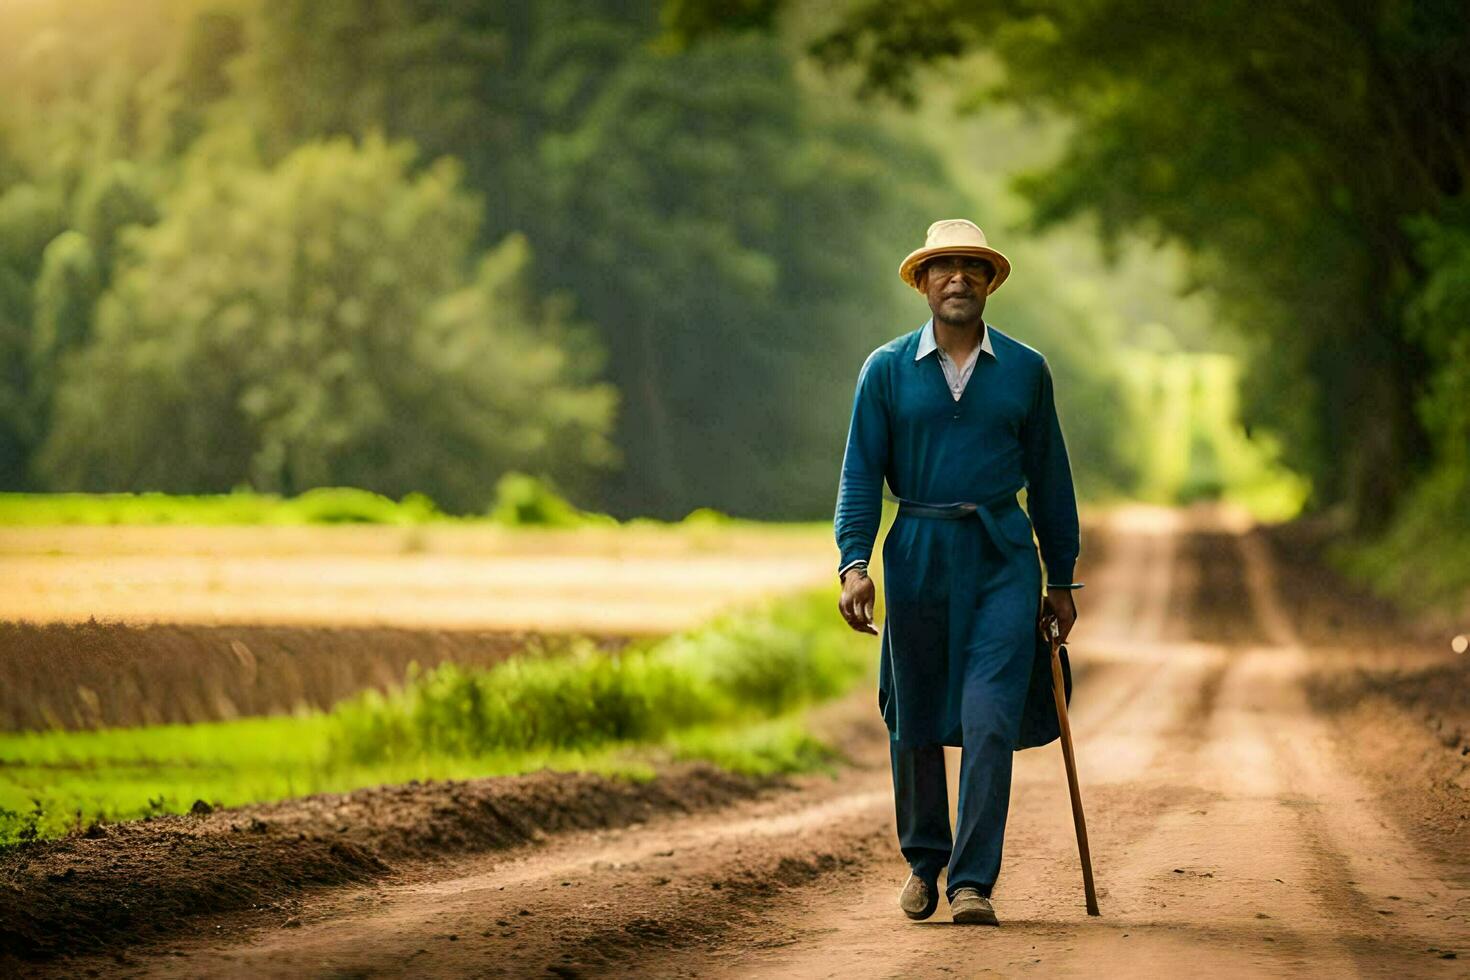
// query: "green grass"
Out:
[47,789]
[780,745]
[731,693]
[518,501]
[325,505]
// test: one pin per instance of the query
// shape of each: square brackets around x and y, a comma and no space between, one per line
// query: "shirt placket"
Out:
[955,376]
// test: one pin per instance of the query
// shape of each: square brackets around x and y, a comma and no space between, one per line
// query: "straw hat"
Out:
[954,236]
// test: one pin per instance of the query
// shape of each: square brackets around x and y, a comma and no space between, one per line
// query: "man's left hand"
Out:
[1058,603]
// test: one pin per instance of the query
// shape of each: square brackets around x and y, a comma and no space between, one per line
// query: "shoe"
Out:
[969,907]
[919,898]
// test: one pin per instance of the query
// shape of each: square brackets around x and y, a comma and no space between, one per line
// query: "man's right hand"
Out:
[856,604]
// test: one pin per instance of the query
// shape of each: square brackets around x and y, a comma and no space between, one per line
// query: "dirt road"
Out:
[1235,832]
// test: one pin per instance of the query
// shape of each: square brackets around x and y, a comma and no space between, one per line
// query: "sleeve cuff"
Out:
[1060,571]
[852,564]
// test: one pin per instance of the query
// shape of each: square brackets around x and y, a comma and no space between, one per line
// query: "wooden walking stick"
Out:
[1059,690]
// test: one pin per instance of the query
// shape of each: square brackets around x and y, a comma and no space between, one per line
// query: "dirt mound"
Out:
[127,883]
[1418,752]
[1325,606]
[109,674]
[710,904]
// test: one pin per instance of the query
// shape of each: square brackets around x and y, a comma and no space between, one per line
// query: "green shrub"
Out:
[758,666]
[350,505]
[707,517]
[323,505]
[17,827]
[524,501]
[1419,560]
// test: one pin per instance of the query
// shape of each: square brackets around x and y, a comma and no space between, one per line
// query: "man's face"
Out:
[956,286]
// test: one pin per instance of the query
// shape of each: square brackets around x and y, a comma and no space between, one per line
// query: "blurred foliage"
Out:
[1420,558]
[291,325]
[344,505]
[520,501]
[1196,447]
[524,501]
[764,748]
[67,290]
[283,293]
[729,693]
[320,505]
[1311,158]
[408,245]
[735,326]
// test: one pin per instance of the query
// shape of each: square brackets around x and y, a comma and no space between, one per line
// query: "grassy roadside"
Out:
[518,501]
[732,692]
[1418,561]
[328,505]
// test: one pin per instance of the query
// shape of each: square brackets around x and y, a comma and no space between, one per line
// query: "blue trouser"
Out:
[998,657]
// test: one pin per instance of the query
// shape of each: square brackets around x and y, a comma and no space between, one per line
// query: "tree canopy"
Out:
[298,326]
[1312,157]
[413,245]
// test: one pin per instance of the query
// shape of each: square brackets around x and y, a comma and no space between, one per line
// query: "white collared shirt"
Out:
[957,376]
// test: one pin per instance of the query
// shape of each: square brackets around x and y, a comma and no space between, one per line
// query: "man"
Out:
[957,417]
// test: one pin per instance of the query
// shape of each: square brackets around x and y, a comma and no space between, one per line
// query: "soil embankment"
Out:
[119,884]
[103,675]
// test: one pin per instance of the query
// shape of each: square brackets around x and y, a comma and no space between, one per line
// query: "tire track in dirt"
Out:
[1264,748]
[1390,890]
[1135,605]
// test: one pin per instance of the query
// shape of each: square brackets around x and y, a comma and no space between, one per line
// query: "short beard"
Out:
[964,321]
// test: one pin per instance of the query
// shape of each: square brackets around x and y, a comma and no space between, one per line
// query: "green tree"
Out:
[717,227]
[109,201]
[30,216]
[424,70]
[16,425]
[314,323]
[66,292]
[725,227]
[725,240]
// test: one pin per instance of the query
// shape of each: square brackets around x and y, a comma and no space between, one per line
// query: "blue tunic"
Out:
[1001,436]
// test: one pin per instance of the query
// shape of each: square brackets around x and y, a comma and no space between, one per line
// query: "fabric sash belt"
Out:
[985,510]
